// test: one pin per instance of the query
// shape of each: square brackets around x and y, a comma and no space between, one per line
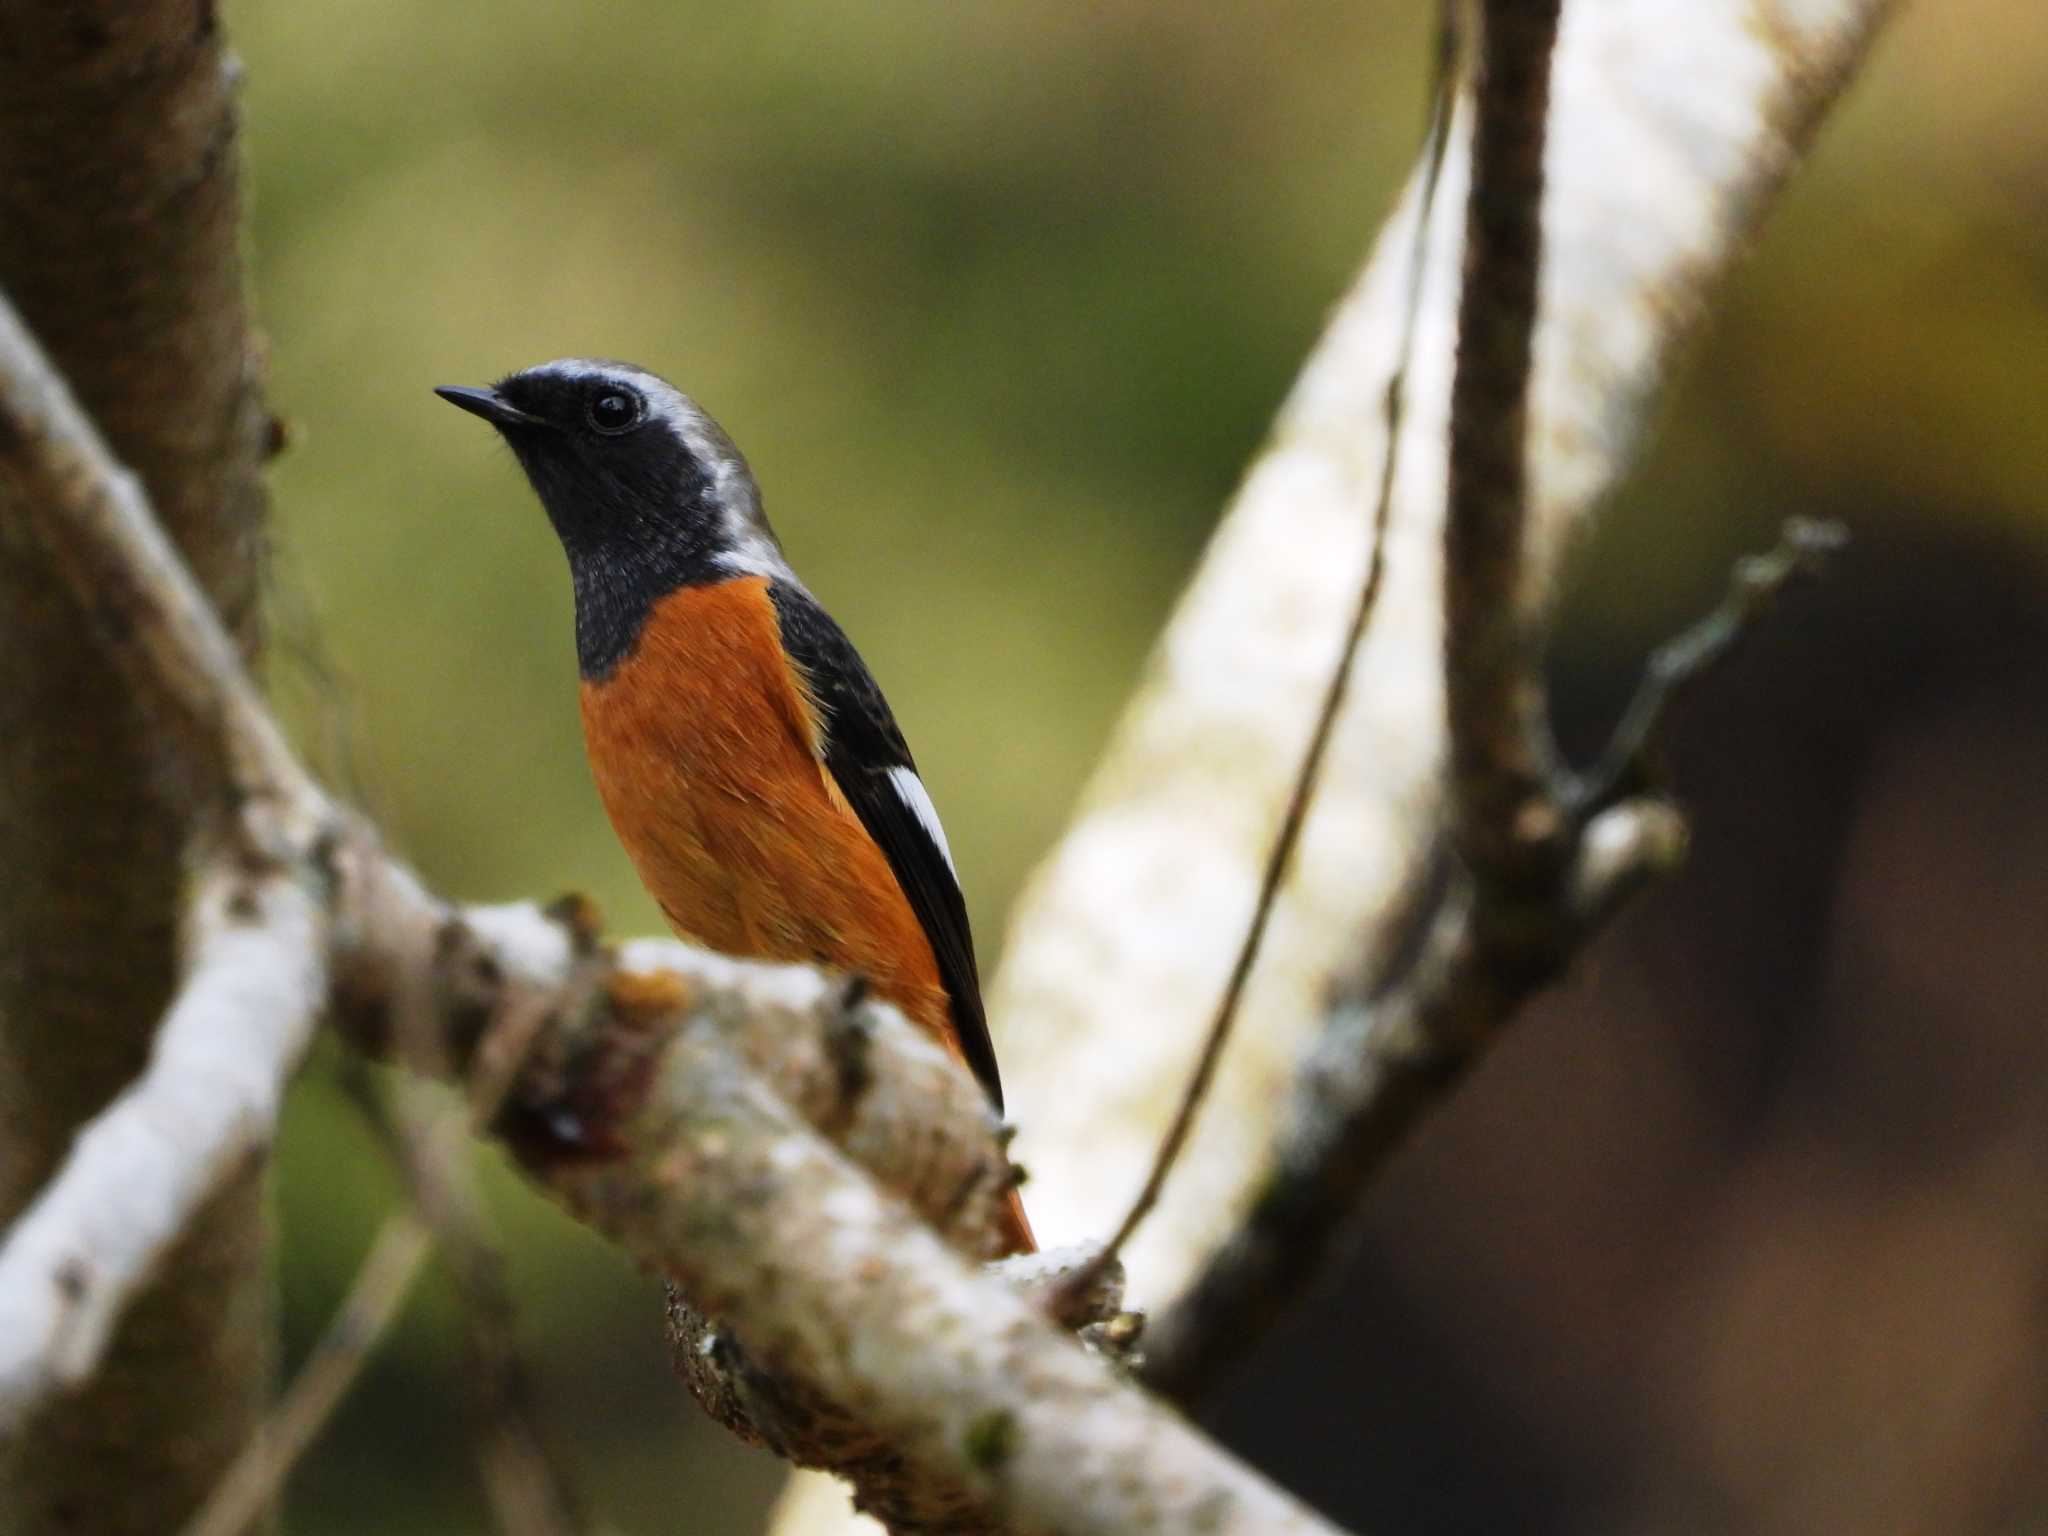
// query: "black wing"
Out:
[868,759]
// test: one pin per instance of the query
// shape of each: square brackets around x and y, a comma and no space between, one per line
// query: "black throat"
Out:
[636,522]
[617,588]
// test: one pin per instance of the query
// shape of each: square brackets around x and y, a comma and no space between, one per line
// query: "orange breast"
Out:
[706,756]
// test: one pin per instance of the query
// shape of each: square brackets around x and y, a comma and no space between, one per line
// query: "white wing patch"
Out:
[910,790]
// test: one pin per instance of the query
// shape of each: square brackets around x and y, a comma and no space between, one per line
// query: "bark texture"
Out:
[1673,126]
[817,1171]
[119,230]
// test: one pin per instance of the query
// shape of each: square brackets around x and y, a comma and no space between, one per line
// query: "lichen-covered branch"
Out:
[822,1276]
[772,1408]
[581,1029]
[1671,128]
[94,521]
[1396,1045]
[709,1116]
[1534,860]
[799,1159]
[206,1104]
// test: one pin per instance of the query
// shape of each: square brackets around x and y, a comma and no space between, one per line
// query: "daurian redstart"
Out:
[748,762]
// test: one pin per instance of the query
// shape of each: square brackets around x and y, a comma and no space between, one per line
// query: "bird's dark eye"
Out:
[614,410]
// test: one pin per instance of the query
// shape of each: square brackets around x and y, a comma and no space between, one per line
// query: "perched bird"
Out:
[746,758]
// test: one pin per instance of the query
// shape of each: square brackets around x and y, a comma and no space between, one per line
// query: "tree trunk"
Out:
[119,242]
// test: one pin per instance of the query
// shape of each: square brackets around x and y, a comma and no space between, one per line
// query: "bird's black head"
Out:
[645,491]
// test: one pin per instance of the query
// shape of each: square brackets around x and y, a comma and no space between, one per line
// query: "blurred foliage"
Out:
[998,300]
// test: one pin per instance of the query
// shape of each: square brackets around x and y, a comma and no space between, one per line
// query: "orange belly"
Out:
[705,755]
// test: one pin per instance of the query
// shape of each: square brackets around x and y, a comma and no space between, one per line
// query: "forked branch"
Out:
[1533,861]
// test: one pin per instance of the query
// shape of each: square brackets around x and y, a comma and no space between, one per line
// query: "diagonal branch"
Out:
[1534,861]
[383,1282]
[529,1496]
[528,1489]
[698,1110]
[1674,129]
[1308,776]
[1637,757]
[1393,1050]
[208,1100]
[95,520]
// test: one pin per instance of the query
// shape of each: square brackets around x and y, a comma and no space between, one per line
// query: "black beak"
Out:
[489,404]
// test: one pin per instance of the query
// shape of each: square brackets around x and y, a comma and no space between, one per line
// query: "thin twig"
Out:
[357,1327]
[1394,1049]
[427,1152]
[1507,822]
[1675,130]
[529,1493]
[1634,761]
[1303,792]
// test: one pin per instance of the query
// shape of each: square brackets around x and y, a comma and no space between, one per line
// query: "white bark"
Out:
[140,1170]
[767,1227]
[1673,124]
[811,1167]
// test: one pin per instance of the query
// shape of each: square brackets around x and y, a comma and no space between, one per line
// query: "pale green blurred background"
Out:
[997,300]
